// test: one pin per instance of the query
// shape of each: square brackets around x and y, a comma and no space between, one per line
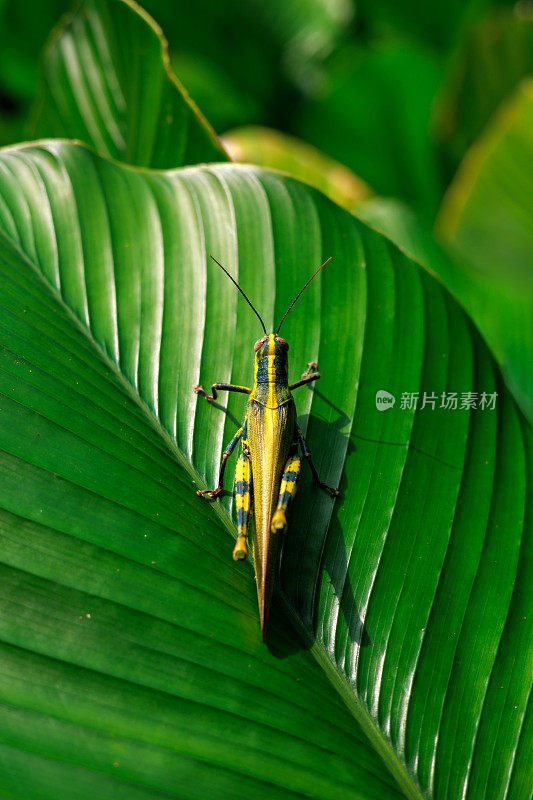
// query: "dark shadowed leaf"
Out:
[23,33]
[373,116]
[491,59]
[435,24]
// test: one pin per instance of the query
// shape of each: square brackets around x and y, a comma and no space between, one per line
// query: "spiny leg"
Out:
[307,455]
[286,492]
[221,387]
[311,374]
[243,502]
[225,455]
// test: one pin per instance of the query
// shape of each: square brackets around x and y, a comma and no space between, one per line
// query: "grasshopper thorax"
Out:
[271,359]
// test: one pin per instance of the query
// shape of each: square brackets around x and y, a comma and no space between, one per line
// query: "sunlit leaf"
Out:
[132,665]
[107,81]
[269,148]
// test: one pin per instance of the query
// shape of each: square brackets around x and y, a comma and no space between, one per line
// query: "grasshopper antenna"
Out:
[302,290]
[241,291]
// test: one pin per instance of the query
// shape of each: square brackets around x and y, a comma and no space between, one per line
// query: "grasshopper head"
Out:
[271,345]
[260,342]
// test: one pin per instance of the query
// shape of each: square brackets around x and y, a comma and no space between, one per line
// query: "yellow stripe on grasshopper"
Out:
[243,475]
[287,490]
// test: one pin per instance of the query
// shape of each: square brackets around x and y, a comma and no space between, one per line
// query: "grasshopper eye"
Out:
[259,342]
[284,344]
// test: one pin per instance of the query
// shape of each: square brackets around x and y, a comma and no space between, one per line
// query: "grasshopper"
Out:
[269,464]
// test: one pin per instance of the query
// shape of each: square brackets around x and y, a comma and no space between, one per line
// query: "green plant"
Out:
[132,664]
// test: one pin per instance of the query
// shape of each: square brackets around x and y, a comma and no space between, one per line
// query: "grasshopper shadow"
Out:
[315,547]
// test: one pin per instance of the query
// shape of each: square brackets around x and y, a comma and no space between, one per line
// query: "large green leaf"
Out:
[132,664]
[107,81]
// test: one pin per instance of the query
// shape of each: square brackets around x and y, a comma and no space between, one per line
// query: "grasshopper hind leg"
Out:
[243,503]
[286,493]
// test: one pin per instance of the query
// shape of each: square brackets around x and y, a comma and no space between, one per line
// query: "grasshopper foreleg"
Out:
[225,455]
[307,455]
[221,387]
[286,492]
[243,502]
[311,374]
[312,368]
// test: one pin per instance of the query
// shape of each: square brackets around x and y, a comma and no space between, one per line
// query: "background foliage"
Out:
[396,93]
[127,629]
